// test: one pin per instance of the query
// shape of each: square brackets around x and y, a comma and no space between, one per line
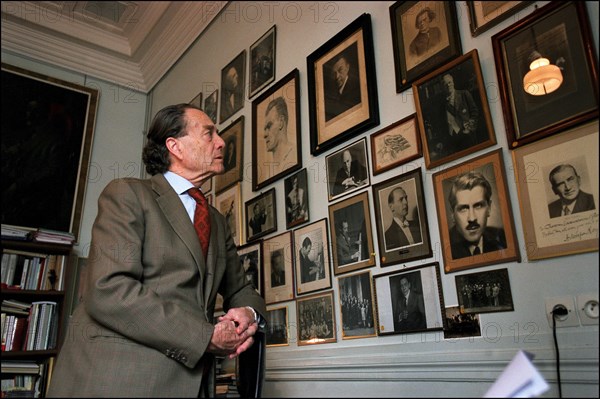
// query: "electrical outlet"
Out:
[587,306]
[568,320]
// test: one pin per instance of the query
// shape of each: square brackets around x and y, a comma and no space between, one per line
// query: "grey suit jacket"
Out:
[147,316]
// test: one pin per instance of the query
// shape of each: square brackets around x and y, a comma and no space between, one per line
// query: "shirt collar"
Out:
[179,184]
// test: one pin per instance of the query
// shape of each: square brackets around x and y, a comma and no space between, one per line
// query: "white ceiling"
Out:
[130,43]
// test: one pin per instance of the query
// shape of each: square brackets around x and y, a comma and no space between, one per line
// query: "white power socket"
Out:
[587,306]
[568,320]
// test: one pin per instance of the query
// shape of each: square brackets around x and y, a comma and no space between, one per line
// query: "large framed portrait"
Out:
[277,333]
[357,306]
[262,62]
[474,214]
[233,156]
[229,204]
[484,292]
[251,260]
[409,300]
[425,36]
[211,105]
[342,87]
[276,139]
[466,125]
[311,253]
[560,33]
[347,170]
[316,319]
[401,219]
[554,173]
[279,270]
[296,199]
[484,15]
[395,145]
[261,215]
[233,78]
[351,235]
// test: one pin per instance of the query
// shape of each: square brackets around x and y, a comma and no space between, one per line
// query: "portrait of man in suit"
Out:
[277,268]
[408,305]
[296,201]
[566,184]
[351,174]
[401,231]
[428,37]
[342,85]
[232,87]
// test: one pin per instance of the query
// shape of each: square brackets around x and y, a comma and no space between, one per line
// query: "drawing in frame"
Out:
[425,36]
[262,62]
[233,156]
[233,87]
[484,292]
[311,254]
[47,134]
[277,329]
[351,235]
[336,116]
[228,203]
[484,15]
[466,125]
[197,101]
[278,268]
[211,105]
[316,319]
[357,307]
[547,230]
[251,260]
[276,139]
[423,309]
[395,145]
[296,199]
[401,219]
[560,32]
[261,215]
[347,170]
[474,214]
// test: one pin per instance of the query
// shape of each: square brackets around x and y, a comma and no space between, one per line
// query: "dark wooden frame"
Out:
[268,40]
[283,244]
[302,177]
[273,324]
[197,101]
[270,209]
[486,304]
[334,164]
[346,285]
[239,62]
[211,105]
[480,23]
[232,134]
[395,145]
[317,232]
[323,300]
[253,251]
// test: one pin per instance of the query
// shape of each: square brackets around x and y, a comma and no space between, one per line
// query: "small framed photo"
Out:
[197,101]
[484,292]
[409,300]
[557,181]
[278,326]
[279,270]
[357,306]
[211,105]
[233,155]
[401,219]
[461,325]
[233,78]
[425,36]
[311,252]
[395,145]
[347,170]
[262,62]
[342,87]
[316,319]
[251,260]
[484,15]
[206,187]
[351,235]
[466,126]
[229,204]
[261,215]
[296,199]
[276,139]
[474,214]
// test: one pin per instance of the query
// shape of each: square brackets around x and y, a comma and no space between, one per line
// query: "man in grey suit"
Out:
[566,183]
[145,326]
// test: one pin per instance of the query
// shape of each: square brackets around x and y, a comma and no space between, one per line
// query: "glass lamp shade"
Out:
[543,78]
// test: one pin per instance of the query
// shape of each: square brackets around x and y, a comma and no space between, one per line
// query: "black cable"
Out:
[555,313]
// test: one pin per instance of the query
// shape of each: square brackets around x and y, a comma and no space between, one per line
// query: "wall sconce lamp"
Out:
[543,77]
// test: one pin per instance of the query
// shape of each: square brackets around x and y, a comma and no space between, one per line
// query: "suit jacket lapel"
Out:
[211,257]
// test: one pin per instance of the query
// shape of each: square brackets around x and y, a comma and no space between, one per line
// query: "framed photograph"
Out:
[560,33]
[316,319]
[233,156]
[425,36]
[401,219]
[461,325]
[206,187]
[251,260]
[296,199]
[347,170]
[311,252]
[277,328]
[197,101]
[342,87]
[276,139]
[409,300]
[262,62]
[261,215]
[279,270]
[395,145]
[209,199]
[484,292]
[351,235]
[233,78]
[484,15]
[552,173]
[474,214]
[357,306]
[211,105]
[466,126]
[229,204]
[47,135]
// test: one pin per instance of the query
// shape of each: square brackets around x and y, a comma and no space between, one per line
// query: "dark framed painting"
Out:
[409,301]
[484,15]
[395,145]
[466,126]
[316,319]
[401,219]
[474,214]
[262,62]
[233,156]
[311,253]
[296,199]
[261,215]
[357,306]
[347,170]
[342,87]
[560,32]
[47,134]
[484,292]
[197,101]
[251,260]
[277,333]
[233,78]
[279,268]
[229,204]
[276,139]
[425,36]
[211,105]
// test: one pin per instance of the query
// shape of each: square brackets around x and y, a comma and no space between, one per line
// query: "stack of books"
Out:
[15,233]
[53,236]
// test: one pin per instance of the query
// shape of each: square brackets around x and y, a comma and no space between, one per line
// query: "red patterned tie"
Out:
[201,218]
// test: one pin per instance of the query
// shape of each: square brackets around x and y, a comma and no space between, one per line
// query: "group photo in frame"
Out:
[233,156]
[311,252]
[261,215]
[347,170]
[296,199]
[474,214]
[276,139]
[211,105]
[229,204]
[316,319]
[251,260]
[262,62]
[278,268]
[559,171]
[560,33]
[466,125]
[357,307]
[342,87]
[277,332]
[395,145]
[409,300]
[233,87]
[484,292]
